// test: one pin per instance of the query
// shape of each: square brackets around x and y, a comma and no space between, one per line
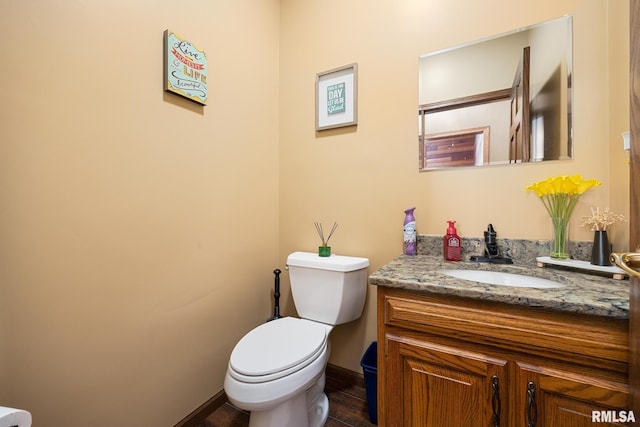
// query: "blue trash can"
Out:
[369,363]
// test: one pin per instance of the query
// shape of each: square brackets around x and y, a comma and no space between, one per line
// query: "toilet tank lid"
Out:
[333,263]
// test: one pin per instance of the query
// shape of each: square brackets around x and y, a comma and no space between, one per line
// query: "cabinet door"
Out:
[430,385]
[551,398]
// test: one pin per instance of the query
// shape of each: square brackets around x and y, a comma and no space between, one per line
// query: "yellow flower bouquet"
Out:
[559,196]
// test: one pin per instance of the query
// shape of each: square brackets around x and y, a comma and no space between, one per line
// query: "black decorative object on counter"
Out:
[601,248]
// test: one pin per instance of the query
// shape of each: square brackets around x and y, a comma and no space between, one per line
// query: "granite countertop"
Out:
[581,293]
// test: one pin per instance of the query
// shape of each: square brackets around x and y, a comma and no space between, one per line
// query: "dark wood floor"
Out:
[347,404]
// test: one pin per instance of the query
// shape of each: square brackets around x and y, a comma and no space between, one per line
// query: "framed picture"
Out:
[185,68]
[337,98]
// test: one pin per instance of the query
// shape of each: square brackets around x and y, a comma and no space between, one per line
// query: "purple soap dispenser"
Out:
[409,246]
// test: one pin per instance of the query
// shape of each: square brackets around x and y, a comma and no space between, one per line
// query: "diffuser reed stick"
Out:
[321,232]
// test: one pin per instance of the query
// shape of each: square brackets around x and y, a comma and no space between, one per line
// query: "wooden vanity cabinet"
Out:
[565,398]
[439,385]
[450,361]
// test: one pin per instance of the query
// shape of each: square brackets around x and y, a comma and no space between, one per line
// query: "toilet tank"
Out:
[330,290]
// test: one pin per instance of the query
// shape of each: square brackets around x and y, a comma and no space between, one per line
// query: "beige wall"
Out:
[139,231]
[365,177]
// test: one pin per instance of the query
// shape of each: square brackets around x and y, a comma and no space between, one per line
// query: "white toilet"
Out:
[277,370]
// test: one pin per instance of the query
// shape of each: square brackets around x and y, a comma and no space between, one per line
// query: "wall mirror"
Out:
[501,100]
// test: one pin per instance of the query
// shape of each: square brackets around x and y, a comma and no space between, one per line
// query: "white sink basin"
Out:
[502,279]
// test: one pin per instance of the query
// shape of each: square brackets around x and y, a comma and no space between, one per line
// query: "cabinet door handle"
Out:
[531,411]
[495,400]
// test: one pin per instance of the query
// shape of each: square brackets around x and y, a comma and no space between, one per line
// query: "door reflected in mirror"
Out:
[500,100]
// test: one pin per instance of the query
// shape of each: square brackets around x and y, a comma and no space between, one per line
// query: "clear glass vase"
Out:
[560,238]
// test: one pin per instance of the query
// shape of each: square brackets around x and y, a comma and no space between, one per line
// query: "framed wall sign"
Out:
[185,68]
[337,97]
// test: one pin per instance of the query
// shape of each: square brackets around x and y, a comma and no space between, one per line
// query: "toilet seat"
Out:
[277,349]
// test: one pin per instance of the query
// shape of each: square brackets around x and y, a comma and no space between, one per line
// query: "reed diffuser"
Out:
[324,250]
[599,222]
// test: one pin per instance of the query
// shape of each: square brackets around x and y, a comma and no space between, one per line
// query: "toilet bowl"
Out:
[277,370]
[291,362]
